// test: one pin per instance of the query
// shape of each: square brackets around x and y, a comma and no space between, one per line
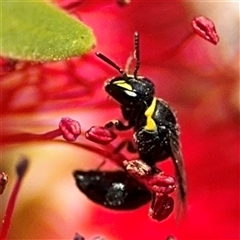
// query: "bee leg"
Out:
[117,124]
[117,150]
[130,147]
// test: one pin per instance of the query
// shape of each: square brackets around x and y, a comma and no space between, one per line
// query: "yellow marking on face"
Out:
[150,123]
[123,84]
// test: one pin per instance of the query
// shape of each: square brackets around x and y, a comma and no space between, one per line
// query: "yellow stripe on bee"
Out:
[123,84]
[150,123]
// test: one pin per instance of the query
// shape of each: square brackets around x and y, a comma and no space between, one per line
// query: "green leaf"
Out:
[39,31]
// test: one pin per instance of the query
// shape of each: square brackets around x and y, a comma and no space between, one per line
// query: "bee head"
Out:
[129,90]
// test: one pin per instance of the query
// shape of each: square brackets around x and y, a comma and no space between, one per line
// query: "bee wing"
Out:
[112,189]
[179,169]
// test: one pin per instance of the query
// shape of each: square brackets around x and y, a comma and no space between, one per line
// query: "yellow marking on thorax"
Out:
[150,123]
[123,84]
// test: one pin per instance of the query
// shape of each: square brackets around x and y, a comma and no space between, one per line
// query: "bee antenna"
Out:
[110,62]
[136,53]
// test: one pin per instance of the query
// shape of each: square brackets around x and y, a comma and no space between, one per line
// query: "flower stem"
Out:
[105,152]
[68,128]
[173,51]
[28,137]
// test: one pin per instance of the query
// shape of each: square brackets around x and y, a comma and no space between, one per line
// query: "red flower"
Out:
[200,82]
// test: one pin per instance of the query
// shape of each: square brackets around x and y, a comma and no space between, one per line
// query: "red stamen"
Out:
[158,183]
[69,129]
[202,26]
[173,51]
[21,169]
[7,65]
[123,3]
[77,236]
[70,5]
[171,237]
[100,135]
[3,181]
[205,28]
[162,207]
[108,153]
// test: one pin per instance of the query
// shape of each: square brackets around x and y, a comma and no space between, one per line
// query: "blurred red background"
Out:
[201,83]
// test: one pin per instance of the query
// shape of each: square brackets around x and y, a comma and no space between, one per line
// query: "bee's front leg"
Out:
[117,124]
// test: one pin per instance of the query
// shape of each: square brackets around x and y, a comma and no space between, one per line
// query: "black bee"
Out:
[156,135]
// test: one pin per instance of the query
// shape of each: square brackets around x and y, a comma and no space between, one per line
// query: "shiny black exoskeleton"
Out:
[156,131]
[114,190]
